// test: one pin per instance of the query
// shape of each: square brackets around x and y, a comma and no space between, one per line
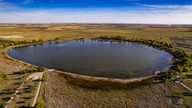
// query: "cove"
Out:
[121,60]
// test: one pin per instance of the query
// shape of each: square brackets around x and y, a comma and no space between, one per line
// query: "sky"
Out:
[96,11]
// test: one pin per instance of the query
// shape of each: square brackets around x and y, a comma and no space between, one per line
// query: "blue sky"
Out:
[96,11]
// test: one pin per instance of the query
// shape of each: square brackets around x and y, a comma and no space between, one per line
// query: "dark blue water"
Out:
[96,58]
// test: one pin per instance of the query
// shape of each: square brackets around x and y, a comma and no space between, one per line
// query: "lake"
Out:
[96,58]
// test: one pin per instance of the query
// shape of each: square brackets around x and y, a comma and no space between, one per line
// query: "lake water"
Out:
[96,58]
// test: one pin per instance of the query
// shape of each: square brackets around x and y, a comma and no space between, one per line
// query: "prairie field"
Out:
[57,91]
[88,31]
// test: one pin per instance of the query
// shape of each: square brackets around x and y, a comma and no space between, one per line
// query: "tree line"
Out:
[38,69]
[13,43]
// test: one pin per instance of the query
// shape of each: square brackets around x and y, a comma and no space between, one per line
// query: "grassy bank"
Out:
[95,83]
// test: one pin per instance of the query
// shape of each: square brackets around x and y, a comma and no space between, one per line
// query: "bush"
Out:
[179,69]
[56,39]
[186,69]
[40,104]
[24,71]
[3,76]
[34,41]
[182,53]
[44,78]
[40,69]
[12,43]
[40,40]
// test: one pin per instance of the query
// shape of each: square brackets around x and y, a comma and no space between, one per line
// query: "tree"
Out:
[186,61]
[40,104]
[186,69]
[179,69]
[40,40]
[33,41]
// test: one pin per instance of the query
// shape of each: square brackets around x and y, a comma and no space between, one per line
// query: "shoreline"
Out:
[79,75]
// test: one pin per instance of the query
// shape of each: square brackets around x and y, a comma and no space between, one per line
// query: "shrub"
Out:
[40,69]
[179,69]
[40,40]
[56,39]
[44,78]
[186,69]
[3,76]
[24,71]
[182,53]
[40,104]
[34,41]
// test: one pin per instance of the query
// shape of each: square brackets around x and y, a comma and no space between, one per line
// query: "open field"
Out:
[58,92]
[182,43]
[72,31]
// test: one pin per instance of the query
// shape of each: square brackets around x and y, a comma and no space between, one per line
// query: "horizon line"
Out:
[101,23]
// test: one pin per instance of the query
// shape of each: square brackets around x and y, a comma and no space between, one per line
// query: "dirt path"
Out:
[36,76]
[185,86]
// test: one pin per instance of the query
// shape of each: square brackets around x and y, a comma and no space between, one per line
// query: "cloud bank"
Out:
[140,13]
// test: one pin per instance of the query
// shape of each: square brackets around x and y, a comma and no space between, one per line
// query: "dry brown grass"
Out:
[58,93]
[95,83]
[14,80]
[72,31]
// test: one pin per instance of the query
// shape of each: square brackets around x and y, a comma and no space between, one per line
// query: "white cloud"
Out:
[151,16]
[32,14]
[97,16]
[169,6]
[7,6]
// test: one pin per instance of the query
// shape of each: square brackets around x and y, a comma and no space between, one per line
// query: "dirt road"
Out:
[36,76]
